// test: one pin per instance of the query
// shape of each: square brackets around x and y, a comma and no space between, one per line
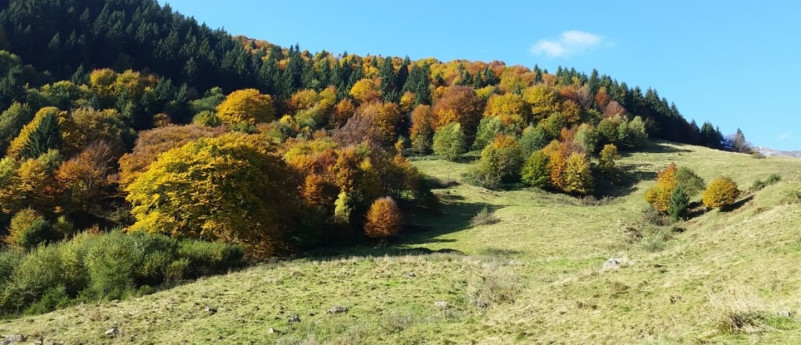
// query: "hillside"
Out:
[535,276]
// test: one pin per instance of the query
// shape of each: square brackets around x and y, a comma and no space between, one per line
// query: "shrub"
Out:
[689,181]
[759,184]
[722,192]
[383,219]
[607,159]
[113,265]
[38,272]
[449,141]
[535,170]
[484,217]
[207,258]
[9,261]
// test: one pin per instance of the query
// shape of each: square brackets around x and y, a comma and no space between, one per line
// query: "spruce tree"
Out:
[46,136]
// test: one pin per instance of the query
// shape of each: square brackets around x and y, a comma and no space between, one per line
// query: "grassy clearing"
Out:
[534,276]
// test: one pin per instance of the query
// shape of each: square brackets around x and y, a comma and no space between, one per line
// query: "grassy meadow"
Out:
[532,276]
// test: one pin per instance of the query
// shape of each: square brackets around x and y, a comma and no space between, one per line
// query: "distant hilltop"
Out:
[768,152]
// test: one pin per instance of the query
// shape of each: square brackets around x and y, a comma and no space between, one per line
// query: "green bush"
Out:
[207,258]
[38,272]
[689,181]
[53,299]
[207,118]
[9,261]
[110,266]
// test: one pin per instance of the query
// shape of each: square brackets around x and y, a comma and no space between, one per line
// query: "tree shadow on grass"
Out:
[737,205]
[422,226]
[623,183]
[655,147]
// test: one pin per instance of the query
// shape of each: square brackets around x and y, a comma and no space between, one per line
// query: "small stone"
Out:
[294,318]
[338,310]
[409,275]
[785,313]
[272,331]
[441,304]
[112,332]
[612,264]
[210,309]
[14,338]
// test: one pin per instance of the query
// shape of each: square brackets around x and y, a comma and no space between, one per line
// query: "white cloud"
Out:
[568,44]
[785,136]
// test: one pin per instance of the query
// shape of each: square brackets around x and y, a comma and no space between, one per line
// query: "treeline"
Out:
[69,38]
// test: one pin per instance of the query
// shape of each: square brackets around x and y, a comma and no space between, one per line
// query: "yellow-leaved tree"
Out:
[721,192]
[659,195]
[246,105]
[232,188]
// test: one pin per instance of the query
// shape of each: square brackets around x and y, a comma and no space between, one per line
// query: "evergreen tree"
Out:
[44,137]
[678,204]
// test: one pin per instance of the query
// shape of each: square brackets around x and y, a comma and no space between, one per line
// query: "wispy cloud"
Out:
[569,43]
[785,136]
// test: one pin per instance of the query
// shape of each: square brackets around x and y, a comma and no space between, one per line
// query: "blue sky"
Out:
[734,63]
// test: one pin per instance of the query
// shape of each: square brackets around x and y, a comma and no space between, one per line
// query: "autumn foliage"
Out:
[383,219]
[246,105]
[659,195]
[721,192]
[214,189]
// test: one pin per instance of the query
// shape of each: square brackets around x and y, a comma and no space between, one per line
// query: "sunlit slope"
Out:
[535,276]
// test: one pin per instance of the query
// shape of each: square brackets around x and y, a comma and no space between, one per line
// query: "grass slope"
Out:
[533,278]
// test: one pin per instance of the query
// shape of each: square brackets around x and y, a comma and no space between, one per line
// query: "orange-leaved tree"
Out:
[383,219]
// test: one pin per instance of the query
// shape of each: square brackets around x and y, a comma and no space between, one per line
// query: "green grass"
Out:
[533,277]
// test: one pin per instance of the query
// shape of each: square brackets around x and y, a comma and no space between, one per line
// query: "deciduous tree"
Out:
[383,219]
[246,105]
[722,192]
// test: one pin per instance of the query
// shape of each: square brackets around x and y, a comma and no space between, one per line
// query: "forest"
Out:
[127,125]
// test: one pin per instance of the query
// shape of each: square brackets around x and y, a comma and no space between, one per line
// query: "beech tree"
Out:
[722,192]
[659,195]
[459,104]
[236,173]
[578,177]
[383,219]
[247,106]
[422,131]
